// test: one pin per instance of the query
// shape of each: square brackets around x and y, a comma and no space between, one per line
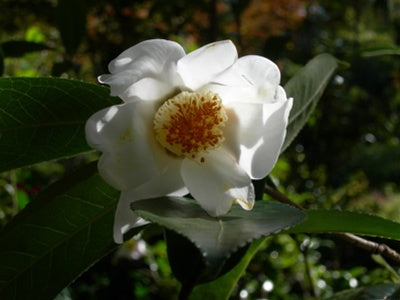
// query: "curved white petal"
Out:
[125,86]
[261,133]
[124,219]
[124,133]
[169,183]
[202,65]
[153,60]
[250,79]
[218,182]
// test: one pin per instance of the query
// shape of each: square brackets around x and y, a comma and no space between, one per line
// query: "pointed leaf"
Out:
[57,237]
[44,118]
[389,291]
[306,88]
[335,221]
[217,238]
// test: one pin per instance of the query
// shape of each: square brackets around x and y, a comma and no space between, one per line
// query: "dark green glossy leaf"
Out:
[336,221]
[306,88]
[57,237]
[71,22]
[388,291]
[185,260]
[217,238]
[20,48]
[44,118]
[189,267]
[222,287]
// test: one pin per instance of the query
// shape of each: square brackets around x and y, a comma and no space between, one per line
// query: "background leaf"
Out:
[306,88]
[57,237]
[20,48]
[71,22]
[334,221]
[380,50]
[1,60]
[44,118]
[389,291]
[217,238]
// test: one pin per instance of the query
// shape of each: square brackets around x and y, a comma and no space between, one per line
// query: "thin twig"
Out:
[360,242]
[373,247]
[277,195]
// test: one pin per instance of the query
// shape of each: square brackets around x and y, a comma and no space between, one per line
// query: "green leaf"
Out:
[389,291]
[20,48]
[186,262]
[44,118]
[57,237]
[1,61]
[189,267]
[336,221]
[218,238]
[380,50]
[71,22]
[222,287]
[306,88]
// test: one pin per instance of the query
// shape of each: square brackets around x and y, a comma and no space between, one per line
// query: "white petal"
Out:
[169,183]
[131,87]
[261,133]
[151,59]
[124,133]
[218,182]
[202,65]
[251,79]
[148,89]
[124,219]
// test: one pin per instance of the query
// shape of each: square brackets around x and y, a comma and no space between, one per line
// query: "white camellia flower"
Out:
[205,123]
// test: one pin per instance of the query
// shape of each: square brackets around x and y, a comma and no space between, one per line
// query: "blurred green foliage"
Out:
[347,157]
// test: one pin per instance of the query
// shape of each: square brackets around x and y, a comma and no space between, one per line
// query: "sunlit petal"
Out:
[131,156]
[155,59]
[147,88]
[250,79]
[168,183]
[218,182]
[202,65]
[261,134]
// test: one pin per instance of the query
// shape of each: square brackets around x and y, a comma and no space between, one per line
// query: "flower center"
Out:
[190,123]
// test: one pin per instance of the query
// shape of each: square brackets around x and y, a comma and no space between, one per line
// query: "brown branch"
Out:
[360,242]
[373,247]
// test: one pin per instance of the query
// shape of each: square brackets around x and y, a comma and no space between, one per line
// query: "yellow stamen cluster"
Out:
[190,123]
